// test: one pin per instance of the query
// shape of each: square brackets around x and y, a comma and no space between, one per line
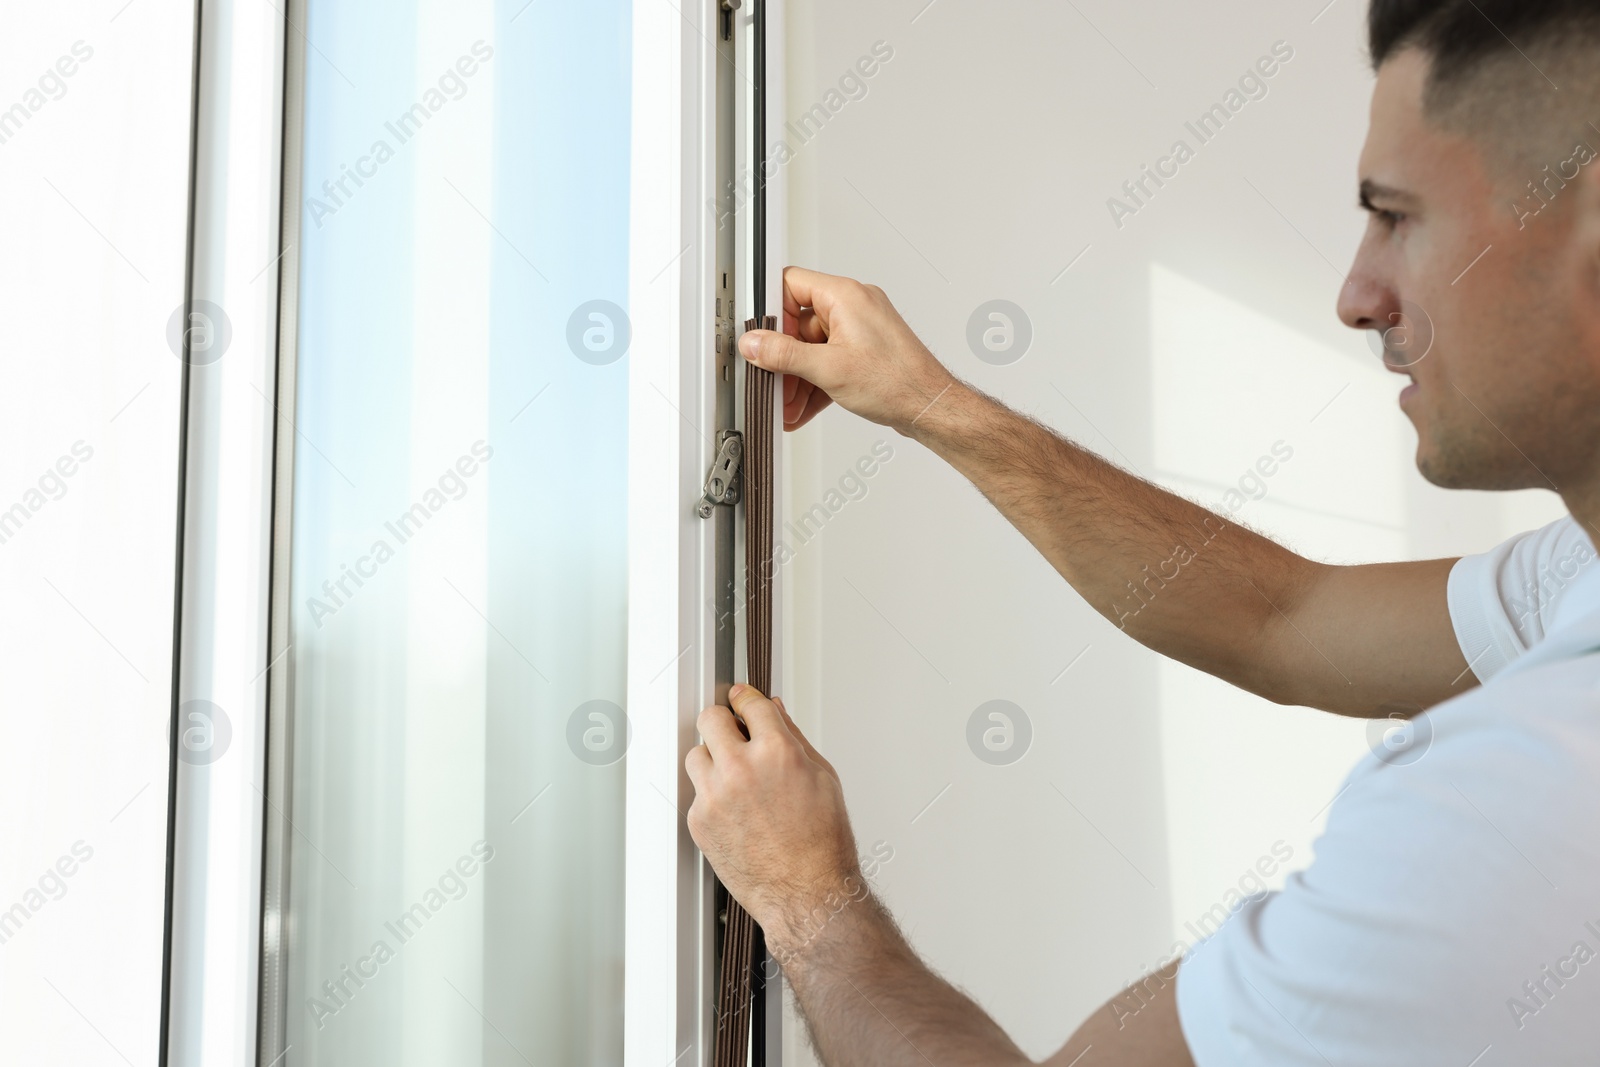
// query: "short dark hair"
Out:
[1495,68]
[1459,34]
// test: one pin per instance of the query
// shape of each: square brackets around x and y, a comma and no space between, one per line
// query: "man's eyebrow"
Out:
[1371,191]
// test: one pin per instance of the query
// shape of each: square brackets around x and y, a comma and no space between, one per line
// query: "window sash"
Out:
[227,979]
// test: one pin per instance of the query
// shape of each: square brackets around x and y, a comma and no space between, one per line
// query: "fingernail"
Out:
[750,346]
[735,691]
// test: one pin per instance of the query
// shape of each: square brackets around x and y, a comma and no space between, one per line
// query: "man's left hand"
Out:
[769,814]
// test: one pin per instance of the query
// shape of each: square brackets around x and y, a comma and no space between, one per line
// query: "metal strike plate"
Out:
[722,483]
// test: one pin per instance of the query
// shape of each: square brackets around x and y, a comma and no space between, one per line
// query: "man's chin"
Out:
[1440,475]
[1433,466]
[1455,470]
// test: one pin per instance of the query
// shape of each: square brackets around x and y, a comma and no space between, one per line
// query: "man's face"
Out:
[1493,319]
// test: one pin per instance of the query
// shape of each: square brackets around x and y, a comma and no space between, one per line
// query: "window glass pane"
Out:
[459,545]
[94,171]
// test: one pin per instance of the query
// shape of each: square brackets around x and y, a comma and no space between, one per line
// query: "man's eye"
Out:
[1389,219]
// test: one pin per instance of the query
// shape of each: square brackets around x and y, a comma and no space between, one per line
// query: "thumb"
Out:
[760,714]
[777,352]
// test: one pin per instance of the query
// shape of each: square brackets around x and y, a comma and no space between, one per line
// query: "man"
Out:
[1452,914]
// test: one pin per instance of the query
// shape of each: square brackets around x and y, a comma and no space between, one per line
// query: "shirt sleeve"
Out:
[1503,601]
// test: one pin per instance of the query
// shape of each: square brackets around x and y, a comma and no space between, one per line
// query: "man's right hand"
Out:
[844,342]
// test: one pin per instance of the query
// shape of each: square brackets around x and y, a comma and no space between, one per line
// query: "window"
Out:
[458,599]
[370,609]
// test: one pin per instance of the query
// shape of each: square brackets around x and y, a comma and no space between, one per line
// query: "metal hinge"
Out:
[722,483]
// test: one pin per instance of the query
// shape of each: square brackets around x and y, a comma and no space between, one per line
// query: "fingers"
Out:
[815,402]
[809,328]
[798,406]
[721,732]
[795,397]
[698,764]
[810,299]
[759,714]
[804,741]
[804,288]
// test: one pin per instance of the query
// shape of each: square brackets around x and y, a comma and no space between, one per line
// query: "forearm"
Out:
[1187,582]
[869,1000]
[1183,580]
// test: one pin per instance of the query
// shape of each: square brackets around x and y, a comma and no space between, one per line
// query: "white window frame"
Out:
[225,954]
[670,930]
[215,922]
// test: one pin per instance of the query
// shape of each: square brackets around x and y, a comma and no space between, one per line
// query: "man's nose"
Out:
[1364,304]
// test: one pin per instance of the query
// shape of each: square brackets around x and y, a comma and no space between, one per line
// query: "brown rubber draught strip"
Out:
[743,947]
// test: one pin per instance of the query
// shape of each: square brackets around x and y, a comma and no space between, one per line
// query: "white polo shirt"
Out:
[1452,913]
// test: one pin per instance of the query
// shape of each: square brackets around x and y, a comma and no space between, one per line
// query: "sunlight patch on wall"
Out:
[1306,443]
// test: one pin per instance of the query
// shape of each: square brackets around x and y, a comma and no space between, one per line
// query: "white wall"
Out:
[94,159]
[1184,344]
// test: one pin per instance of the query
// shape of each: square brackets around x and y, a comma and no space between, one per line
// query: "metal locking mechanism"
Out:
[722,483]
